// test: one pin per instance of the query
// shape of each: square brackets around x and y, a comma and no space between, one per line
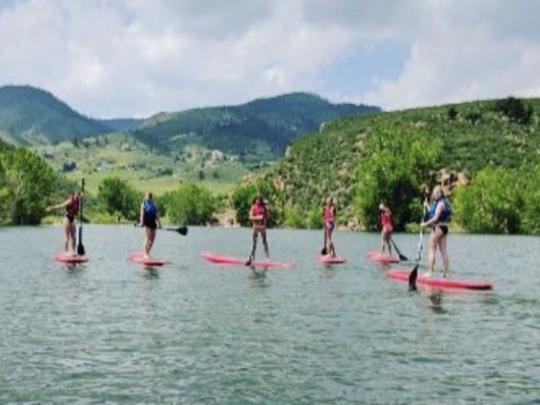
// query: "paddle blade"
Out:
[183,230]
[412,278]
[324,251]
[80,246]
[403,258]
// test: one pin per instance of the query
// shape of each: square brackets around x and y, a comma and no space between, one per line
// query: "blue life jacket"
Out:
[446,214]
[150,209]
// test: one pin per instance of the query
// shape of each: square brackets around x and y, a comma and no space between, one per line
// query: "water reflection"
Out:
[435,302]
[258,278]
[150,273]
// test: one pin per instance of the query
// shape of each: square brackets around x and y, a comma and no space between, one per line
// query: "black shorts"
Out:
[444,229]
[150,222]
[70,218]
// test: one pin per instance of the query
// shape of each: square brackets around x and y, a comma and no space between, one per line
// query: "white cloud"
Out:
[137,57]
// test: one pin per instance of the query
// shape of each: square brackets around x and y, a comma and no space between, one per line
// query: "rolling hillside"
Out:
[474,135]
[30,116]
[258,130]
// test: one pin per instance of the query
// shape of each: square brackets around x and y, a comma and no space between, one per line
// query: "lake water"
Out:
[197,333]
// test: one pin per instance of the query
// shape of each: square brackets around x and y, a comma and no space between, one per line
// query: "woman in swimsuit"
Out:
[385,218]
[72,206]
[329,220]
[438,217]
[149,219]
[258,215]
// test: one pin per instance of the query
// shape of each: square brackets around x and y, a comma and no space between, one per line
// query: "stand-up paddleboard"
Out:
[443,283]
[238,261]
[64,257]
[327,259]
[138,257]
[375,256]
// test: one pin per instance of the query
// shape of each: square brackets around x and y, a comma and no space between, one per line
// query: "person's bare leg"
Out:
[444,255]
[265,244]
[432,248]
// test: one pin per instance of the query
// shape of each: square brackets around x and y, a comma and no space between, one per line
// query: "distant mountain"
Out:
[32,116]
[122,124]
[259,128]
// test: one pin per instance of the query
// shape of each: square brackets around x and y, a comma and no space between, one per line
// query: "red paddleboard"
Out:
[64,257]
[403,275]
[138,257]
[375,256]
[231,260]
[326,259]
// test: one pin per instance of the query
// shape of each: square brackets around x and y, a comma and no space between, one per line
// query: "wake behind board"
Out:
[138,257]
[442,283]
[375,256]
[238,261]
[327,259]
[67,258]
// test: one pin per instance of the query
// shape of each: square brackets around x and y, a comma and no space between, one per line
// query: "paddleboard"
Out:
[231,260]
[375,256]
[138,257]
[403,275]
[64,257]
[326,259]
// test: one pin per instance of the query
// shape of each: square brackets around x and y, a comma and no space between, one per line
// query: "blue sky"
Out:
[138,57]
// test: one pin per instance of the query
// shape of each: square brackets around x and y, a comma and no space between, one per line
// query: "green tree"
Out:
[294,218]
[118,198]
[397,163]
[190,204]
[491,203]
[26,184]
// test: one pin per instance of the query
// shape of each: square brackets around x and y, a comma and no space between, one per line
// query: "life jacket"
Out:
[386,218]
[72,209]
[150,209]
[329,213]
[260,209]
[446,214]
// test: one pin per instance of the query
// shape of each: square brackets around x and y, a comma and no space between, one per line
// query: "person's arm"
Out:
[438,212]
[58,206]
[141,215]
[158,220]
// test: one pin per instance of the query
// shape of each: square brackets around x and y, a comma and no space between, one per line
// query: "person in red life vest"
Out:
[385,219]
[258,215]
[149,219]
[329,224]
[72,206]
[439,215]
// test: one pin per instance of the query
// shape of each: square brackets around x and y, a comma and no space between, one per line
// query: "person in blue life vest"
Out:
[439,215]
[72,206]
[149,219]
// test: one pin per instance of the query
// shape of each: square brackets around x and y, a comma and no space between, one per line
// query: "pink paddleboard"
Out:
[326,259]
[375,256]
[403,275]
[64,257]
[231,260]
[138,257]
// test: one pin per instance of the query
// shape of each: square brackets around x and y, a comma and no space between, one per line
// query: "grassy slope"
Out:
[324,163]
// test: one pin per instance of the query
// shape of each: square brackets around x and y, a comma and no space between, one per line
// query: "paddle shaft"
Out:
[80,246]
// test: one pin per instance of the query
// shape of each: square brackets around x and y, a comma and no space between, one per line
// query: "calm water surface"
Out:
[196,333]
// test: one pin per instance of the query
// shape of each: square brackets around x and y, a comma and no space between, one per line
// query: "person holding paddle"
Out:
[149,219]
[258,215]
[438,217]
[385,219]
[72,206]
[329,224]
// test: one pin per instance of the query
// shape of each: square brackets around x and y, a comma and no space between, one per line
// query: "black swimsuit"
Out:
[444,228]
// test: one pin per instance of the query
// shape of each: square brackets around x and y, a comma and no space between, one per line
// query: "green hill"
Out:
[473,136]
[30,116]
[258,130]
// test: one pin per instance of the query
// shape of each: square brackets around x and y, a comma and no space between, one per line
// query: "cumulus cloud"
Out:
[138,57]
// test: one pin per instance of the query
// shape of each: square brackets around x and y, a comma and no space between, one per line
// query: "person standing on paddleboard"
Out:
[329,223]
[438,217]
[258,215]
[72,206]
[385,219]
[149,219]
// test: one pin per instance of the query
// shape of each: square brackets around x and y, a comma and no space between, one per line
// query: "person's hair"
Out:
[258,197]
[437,188]
[149,195]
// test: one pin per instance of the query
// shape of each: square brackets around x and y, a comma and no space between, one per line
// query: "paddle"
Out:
[414,273]
[182,230]
[401,257]
[80,246]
